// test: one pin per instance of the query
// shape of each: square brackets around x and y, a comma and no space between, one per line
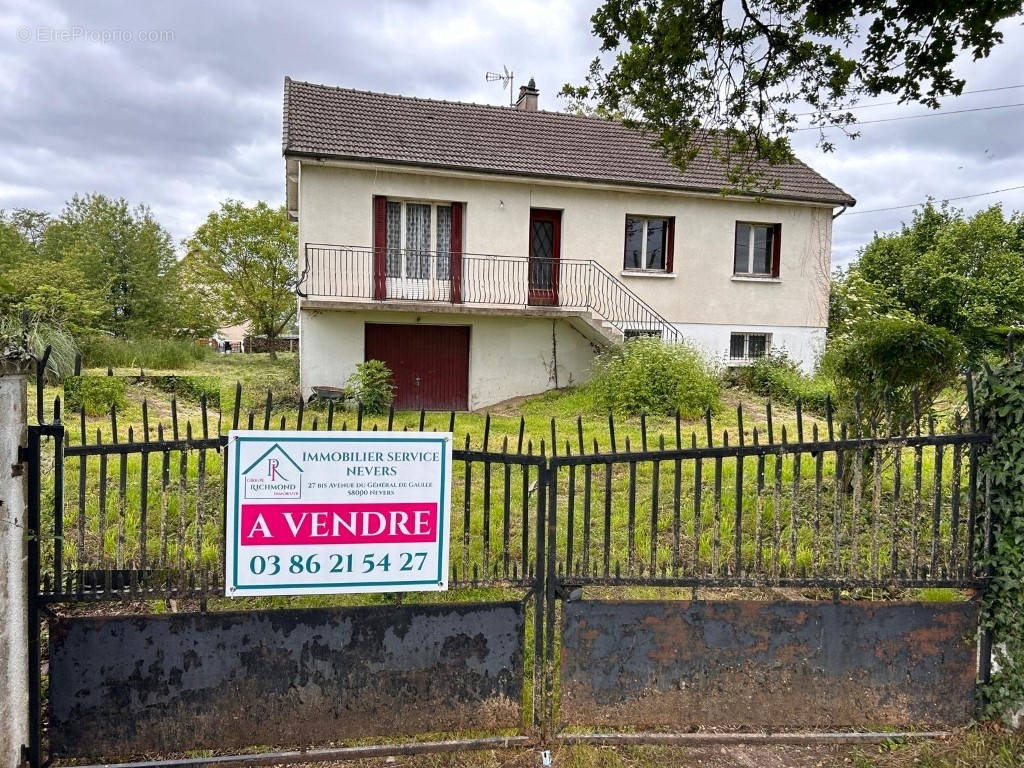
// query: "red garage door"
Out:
[430,363]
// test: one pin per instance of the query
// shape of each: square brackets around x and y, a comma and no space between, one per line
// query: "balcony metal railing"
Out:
[331,271]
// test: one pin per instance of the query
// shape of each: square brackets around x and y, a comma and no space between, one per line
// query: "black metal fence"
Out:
[571,284]
[136,513]
[140,511]
[882,509]
[140,514]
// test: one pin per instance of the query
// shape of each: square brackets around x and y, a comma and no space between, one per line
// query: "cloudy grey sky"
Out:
[178,105]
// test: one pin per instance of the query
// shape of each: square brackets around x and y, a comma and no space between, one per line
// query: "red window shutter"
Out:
[456,252]
[380,243]
[776,249]
[670,244]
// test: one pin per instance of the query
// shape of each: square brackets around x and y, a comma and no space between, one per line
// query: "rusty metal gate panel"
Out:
[129,685]
[746,665]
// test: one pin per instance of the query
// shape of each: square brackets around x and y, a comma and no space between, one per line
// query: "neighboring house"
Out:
[488,252]
[235,335]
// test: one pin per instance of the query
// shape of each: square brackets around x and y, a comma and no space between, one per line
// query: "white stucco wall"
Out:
[508,356]
[803,344]
[335,208]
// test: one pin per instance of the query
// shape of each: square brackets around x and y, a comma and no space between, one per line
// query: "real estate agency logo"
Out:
[274,475]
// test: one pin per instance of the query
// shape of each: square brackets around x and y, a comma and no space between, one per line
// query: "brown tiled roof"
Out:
[325,121]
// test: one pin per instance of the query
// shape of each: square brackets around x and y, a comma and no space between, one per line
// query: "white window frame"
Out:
[746,358]
[750,250]
[643,253]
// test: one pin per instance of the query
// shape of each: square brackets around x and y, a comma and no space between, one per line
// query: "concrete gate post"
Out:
[13,574]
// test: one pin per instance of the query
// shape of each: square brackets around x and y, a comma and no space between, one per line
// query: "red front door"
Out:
[545,245]
[429,363]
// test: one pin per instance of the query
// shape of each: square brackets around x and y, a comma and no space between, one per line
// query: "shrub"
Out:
[33,338]
[95,394]
[646,375]
[189,387]
[894,355]
[777,376]
[146,353]
[371,385]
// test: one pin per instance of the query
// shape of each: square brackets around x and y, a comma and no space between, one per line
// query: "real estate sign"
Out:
[335,512]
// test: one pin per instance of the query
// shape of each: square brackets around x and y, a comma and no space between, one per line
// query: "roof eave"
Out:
[300,153]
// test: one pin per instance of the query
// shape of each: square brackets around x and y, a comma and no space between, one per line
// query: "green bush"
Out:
[893,355]
[16,338]
[145,353]
[777,376]
[95,394]
[646,375]
[189,387]
[1000,399]
[371,385]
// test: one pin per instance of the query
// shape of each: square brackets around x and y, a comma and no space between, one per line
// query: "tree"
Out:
[885,361]
[247,257]
[747,71]
[14,246]
[963,274]
[124,254]
[31,224]
[198,310]
[54,294]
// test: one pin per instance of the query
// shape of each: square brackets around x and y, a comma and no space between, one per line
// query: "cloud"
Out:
[178,105]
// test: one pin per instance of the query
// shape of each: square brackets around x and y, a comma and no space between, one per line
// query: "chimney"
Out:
[528,97]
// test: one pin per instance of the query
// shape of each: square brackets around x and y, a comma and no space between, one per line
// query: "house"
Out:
[488,252]
[235,335]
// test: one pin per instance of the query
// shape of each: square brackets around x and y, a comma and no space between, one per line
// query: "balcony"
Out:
[335,276]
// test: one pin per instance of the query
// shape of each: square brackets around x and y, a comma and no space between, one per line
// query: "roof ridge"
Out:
[475,104]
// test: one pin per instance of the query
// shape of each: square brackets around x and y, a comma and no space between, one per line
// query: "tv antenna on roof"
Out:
[507,81]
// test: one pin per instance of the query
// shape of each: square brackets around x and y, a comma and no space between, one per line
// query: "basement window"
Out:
[641,333]
[744,347]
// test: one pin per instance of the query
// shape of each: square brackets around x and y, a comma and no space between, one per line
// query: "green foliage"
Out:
[188,387]
[885,360]
[124,255]
[95,394]
[102,351]
[689,66]
[14,246]
[777,376]
[245,258]
[18,340]
[199,312]
[52,293]
[964,274]
[1000,399]
[646,375]
[370,384]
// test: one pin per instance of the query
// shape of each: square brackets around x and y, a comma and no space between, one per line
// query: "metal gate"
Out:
[765,555]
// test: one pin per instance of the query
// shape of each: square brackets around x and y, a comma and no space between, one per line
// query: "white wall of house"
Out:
[804,345]
[701,296]
[335,208]
[508,355]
